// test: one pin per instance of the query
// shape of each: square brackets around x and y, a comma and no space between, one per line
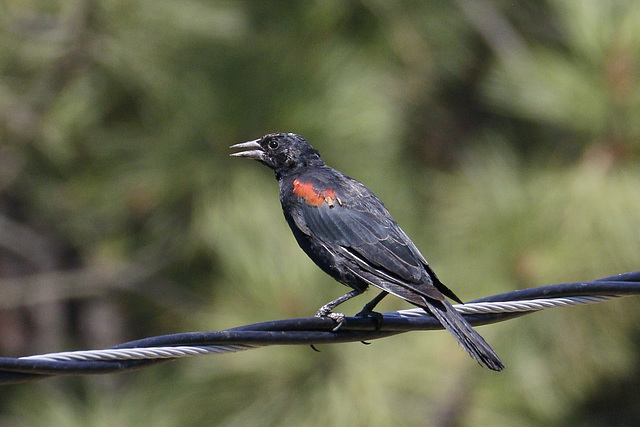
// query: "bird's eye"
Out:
[273,144]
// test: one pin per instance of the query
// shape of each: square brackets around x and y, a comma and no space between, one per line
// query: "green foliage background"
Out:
[503,135]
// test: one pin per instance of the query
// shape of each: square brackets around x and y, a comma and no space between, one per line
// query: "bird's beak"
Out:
[253,150]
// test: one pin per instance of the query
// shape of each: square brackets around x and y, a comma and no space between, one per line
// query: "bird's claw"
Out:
[378,318]
[336,317]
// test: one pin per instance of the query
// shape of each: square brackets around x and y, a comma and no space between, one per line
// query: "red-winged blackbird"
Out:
[347,231]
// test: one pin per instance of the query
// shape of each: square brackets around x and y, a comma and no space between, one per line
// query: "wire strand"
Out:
[312,330]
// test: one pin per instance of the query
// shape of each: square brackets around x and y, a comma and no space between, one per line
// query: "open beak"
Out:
[253,150]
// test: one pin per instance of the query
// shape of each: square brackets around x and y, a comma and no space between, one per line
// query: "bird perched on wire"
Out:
[349,233]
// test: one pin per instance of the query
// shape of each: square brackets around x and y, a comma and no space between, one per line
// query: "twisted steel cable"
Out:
[313,330]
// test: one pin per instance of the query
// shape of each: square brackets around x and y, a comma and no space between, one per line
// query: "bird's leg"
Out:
[325,310]
[367,310]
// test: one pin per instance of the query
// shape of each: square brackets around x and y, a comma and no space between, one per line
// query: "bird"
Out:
[349,233]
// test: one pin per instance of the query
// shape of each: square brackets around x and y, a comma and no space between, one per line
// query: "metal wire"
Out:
[513,306]
[148,351]
[176,352]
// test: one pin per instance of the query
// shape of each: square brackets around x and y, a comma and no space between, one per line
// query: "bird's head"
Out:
[282,152]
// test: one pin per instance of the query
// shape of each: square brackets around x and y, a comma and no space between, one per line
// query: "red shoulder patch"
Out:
[312,196]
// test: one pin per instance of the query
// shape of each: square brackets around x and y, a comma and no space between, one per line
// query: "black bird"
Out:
[349,233]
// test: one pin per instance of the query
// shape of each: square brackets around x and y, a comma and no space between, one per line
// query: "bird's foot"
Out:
[336,317]
[378,318]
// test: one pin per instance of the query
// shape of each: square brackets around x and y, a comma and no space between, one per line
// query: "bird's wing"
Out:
[362,230]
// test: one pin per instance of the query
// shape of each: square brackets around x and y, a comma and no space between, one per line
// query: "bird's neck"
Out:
[299,167]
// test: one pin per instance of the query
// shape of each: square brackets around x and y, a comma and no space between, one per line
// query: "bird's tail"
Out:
[472,342]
